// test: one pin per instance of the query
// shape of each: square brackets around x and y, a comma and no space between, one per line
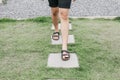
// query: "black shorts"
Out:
[60,3]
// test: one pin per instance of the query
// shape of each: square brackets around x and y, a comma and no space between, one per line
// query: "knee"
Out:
[64,16]
[55,13]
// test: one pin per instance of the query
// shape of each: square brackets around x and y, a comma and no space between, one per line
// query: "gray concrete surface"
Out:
[55,61]
[71,40]
[20,9]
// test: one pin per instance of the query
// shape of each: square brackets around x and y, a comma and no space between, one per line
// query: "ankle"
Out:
[57,30]
[64,49]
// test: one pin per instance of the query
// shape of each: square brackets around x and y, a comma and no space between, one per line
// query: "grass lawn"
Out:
[25,46]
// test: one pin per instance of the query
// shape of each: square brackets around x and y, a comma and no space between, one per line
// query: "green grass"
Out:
[25,46]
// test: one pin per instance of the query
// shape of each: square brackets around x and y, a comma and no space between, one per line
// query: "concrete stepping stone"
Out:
[55,61]
[59,26]
[71,40]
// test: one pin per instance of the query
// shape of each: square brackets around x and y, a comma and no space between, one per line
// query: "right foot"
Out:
[55,36]
[65,55]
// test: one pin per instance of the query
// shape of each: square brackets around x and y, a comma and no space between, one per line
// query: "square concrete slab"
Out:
[55,61]
[71,40]
[59,25]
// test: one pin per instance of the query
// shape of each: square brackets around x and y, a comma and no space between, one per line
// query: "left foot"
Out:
[55,36]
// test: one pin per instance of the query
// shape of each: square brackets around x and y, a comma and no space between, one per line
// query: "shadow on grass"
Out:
[7,20]
[48,19]
[40,19]
[117,19]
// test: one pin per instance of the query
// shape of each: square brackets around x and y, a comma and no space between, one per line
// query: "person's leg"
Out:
[55,17]
[64,30]
[54,12]
[64,6]
[64,26]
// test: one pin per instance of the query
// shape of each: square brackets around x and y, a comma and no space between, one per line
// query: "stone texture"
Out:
[71,40]
[55,61]
[81,8]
